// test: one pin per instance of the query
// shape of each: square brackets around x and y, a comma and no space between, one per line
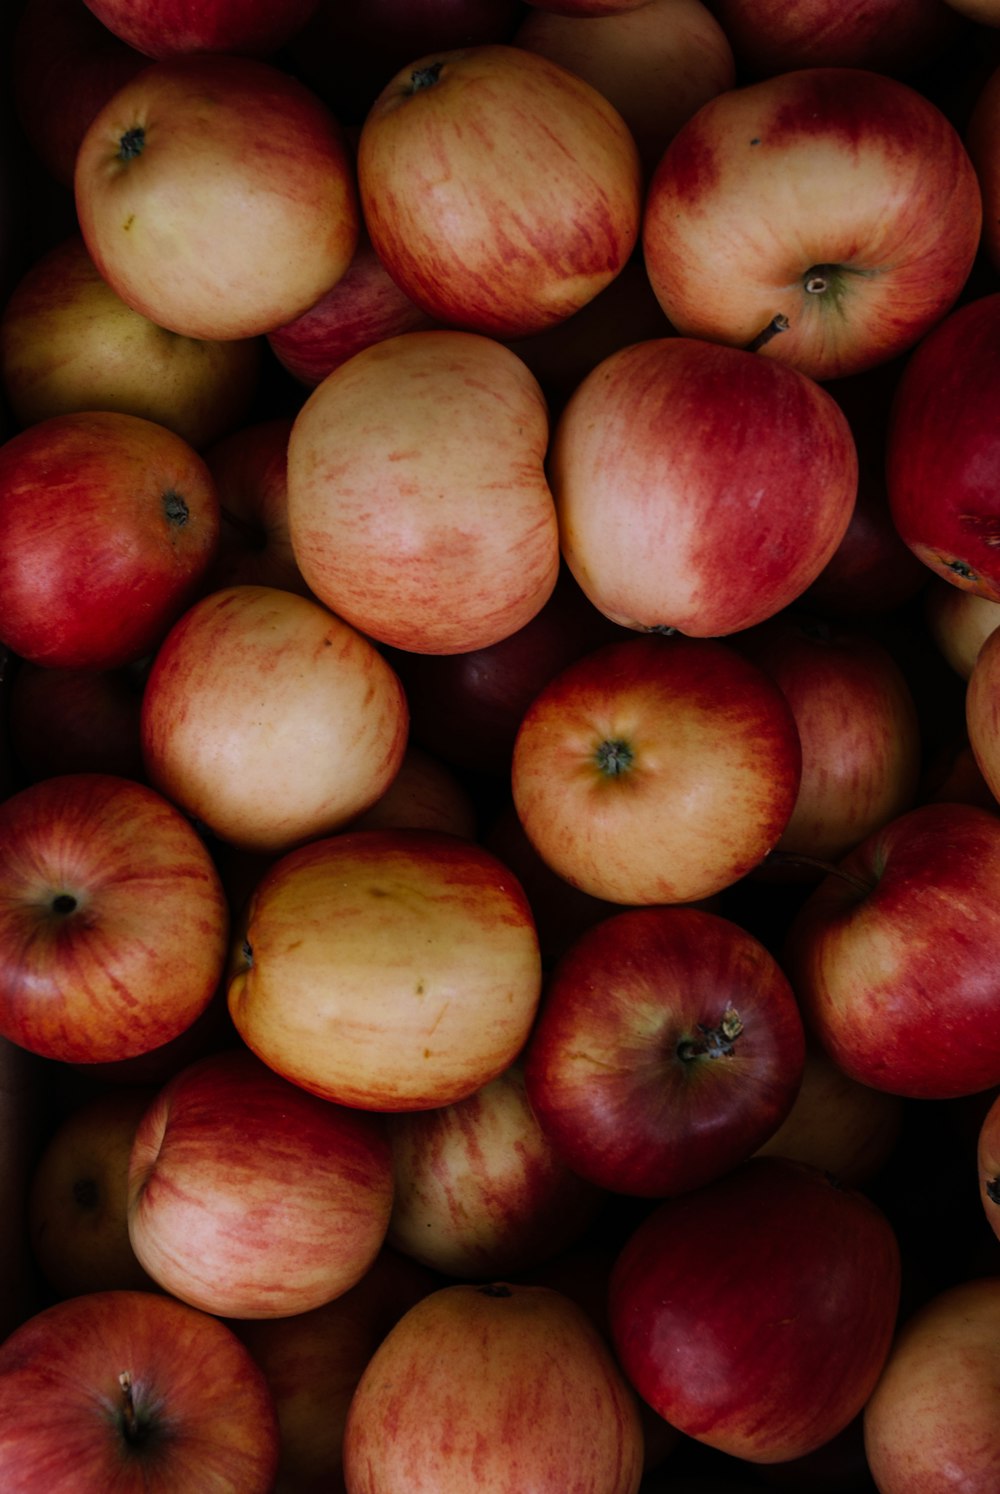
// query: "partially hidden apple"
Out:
[888,36]
[169,28]
[250,469]
[959,622]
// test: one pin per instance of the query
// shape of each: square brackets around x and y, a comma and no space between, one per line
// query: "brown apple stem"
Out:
[130,1422]
[715,1042]
[778,323]
[828,868]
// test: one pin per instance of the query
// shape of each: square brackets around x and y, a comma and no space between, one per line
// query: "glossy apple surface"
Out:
[656,770]
[113,922]
[859,257]
[387,969]
[169,28]
[667,1048]
[718,1321]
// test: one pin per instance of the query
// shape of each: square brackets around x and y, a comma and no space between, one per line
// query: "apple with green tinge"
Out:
[113,923]
[827,217]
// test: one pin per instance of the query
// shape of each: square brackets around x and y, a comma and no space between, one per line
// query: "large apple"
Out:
[656,770]
[137,1392]
[250,1198]
[498,1387]
[170,28]
[667,1048]
[418,504]
[698,487]
[501,191]
[829,216]
[113,922]
[108,523]
[216,195]
[269,719]
[755,1314]
[387,969]
[68,342]
[895,955]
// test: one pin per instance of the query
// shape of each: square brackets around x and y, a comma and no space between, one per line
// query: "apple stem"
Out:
[993,1190]
[175,510]
[425,77]
[828,868]
[778,323]
[130,1422]
[132,144]
[716,1042]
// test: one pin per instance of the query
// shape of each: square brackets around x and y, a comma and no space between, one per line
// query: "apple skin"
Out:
[122,525]
[171,28]
[982,712]
[887,36]
[943,452]
[113,922]
[982,133]
[857,281]
[23,1118]
[718,1323]
[988,1165]
[76,720]
[237,189]
[919,1439]
[482,233]
[418,504]
[424,795]
[667,1048]
[480,1190]
[699,487]
[500,1387]
[206,1418]
[69,343]
[248,1197]
[269,719]
[656,770]
[959,622]
[417,949]
[893,956]
[250,470]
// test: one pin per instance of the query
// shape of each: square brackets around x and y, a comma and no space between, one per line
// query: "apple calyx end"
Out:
[175,510]
[132,143]
[714,1042]
[425,77]
[614,757]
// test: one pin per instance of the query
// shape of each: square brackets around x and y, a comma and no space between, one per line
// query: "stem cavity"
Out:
[713,1042]
[614,757]
[132,143]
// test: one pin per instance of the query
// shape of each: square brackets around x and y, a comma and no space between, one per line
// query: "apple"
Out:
[656,770]
[501,191]
[248,1197]
[270,719]
[250,470]
[988,1164]
[893,956]
[657,61]
[122,524]
[699,487]
[494,1386]
[23,1119]
[78,1197]
[418,504]
[982,707]
[959,622]
[930,1423]
[69,343]
[982,12]
[888,36]
[170,28]
[828,216]
[76,720]
[667,1048]
[113,923]
[755,1314]
[982,132]
[942,451]
[386,969]
[424,795]
[133,1391]
[216,195]
[480,1190]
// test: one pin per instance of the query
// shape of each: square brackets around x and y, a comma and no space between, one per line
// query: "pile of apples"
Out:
[500,757]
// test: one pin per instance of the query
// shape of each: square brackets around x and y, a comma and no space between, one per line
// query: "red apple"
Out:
[76,720]
[895,955]
[480,1191]
[250,471]
[982,136]
[888,36]
[216,195]
[698,487]
[69,343]
[497,1387]
[269,719]
[930,1424]
[829,216]
[170,28]
[248,1197]
[982,713]
[418,504]
[501,191]
[122,524]
[942,451]
[668,1047]
[755,1314]
[657,770]
[136,1392]
[424,795]
[387,969]
[113,922]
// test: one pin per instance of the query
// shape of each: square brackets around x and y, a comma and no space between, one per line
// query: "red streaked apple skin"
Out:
[656,770]
[210,1417]
[113,922]
[755,1314]
[175,27]
[839,199]
[249,1197]
[895,955]
[630,1068]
